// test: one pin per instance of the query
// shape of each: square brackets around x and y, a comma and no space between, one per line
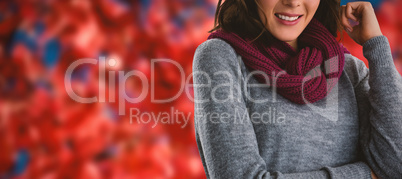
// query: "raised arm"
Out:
[379,93]
[379,97]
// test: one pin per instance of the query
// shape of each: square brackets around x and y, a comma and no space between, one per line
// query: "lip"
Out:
[288,14]
[284,22]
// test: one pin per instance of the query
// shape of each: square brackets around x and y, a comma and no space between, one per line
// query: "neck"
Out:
[293,44]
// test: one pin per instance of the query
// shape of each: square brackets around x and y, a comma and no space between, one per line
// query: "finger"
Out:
[349,12]
[344,19]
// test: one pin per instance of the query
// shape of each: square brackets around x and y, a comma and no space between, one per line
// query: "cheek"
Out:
[267,8]
[313,6]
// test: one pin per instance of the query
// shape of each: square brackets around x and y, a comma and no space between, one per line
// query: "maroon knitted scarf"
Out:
[302,77]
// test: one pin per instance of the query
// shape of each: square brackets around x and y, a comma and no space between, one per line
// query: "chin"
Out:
[286,35]
[286,38]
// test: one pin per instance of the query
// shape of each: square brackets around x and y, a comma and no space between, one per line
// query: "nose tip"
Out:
[292,3]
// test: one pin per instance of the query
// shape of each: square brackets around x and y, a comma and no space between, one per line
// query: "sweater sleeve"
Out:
[379,97]
[225,135]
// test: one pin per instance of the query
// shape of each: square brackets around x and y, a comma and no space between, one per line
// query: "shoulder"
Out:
[214,53]
[355,69]
[214,46]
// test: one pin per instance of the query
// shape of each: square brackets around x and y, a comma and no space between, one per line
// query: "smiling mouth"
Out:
[287,18]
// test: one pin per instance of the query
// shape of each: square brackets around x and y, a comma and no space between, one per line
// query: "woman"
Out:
[332,117]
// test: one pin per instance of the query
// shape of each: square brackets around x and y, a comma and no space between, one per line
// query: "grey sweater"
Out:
[244,129]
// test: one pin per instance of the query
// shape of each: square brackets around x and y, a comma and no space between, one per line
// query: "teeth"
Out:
[287,18]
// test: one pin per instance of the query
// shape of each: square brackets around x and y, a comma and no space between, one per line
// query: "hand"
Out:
[363,13]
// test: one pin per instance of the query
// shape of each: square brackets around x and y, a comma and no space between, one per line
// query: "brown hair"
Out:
[241,17]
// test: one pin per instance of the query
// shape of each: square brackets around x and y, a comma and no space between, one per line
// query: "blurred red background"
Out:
[47,134]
